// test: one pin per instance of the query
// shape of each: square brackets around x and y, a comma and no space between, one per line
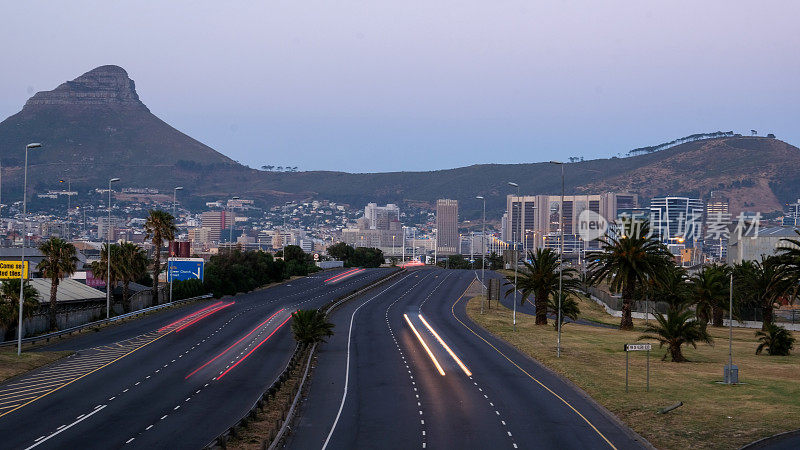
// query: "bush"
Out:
[182,289]
[237,271]
[777,340]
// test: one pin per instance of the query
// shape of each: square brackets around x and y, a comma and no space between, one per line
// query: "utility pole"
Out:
[514,252]
[560,256]
[483,250]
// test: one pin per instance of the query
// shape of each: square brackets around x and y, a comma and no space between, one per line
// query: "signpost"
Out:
[12,270]
[180,269]
[637,348]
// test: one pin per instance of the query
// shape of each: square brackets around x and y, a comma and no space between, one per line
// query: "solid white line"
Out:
[347,371]
[97,410]
[148,428]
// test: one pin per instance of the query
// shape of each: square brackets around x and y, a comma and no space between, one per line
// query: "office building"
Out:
[718,218]
[382,217]
[447,240]
[677,221]
[534,220]
[216,221]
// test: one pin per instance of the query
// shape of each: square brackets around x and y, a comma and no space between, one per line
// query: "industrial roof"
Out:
[68,291]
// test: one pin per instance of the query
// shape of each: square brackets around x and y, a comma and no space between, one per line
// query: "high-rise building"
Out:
[718,217]
[677,220]
[447,240]
[216,221]
[382,217]
[535,220]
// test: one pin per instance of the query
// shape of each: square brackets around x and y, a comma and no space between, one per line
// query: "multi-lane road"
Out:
[408,369]
[175,379]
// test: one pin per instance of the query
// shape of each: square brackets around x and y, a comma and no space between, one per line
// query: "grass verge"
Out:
[713,416]
[12,365]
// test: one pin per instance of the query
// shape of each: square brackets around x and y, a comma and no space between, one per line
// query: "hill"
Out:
[95,127]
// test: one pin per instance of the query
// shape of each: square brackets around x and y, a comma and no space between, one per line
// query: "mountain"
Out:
[96,127]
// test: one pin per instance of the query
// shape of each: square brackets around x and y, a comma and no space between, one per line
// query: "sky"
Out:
[364,86]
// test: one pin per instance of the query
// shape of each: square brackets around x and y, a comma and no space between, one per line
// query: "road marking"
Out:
[163,417]
[129,440]
[453,312]
[150,426]
[347,370]
[67,427]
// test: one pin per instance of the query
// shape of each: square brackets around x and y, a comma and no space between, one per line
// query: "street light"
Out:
[169,266]
[108,252]
[69,197]
[483,248]
[24,239]
[230,243]
[560,255]
[514,252]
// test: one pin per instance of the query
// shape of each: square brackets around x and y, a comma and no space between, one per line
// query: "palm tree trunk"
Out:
[717,313]
[156,267]
[53,293]
[541,307]
[766,319]
[627,299]
[676,353]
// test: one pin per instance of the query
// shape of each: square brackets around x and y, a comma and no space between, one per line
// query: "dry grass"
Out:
[713,416]
[12,365]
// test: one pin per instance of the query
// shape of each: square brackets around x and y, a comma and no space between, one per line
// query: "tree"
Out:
[540,278]
[777,340]
[60,261]
[341,251]
[569,307]
[160,226]
[763,283]
[131,263]
[495,261]
[366,257]
[710,293]
[625,262]
[311,326]
[9,304]
[100,268]
[295,253]
[674,329]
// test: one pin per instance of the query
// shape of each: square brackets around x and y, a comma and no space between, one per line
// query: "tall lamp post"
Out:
[69,198]
[108,252]
[24,240]
[169,266]
[514,251]
[230,241]
[560,255]
[483,249]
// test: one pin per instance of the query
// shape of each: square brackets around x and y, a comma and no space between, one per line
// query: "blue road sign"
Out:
[179,269]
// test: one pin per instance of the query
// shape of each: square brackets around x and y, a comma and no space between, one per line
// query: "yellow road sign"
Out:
[10,270]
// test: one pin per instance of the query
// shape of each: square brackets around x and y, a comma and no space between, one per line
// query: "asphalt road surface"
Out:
[171,380]
[376,385]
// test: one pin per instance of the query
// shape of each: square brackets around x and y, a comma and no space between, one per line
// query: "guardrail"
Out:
[68,331]
[222,439]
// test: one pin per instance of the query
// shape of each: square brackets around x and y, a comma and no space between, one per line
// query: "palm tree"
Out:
[763,283]
[160,226]
[311,326]
[60,261]
[9,304]
[777,340]
[710,293]
[100,268]
[569,307]
[627,262]
[132,265]
[674,329]
[540,278]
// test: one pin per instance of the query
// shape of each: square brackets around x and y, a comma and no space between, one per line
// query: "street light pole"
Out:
[24,240]
[483,250]
[404,246]
[560,256]
[169,266]
[730,330]
[514,252]
[108,252]
[230,210]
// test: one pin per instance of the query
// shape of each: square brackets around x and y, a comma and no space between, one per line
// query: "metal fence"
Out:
[76,329]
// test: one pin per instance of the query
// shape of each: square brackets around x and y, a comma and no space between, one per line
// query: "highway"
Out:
[174,379]
[408,369]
